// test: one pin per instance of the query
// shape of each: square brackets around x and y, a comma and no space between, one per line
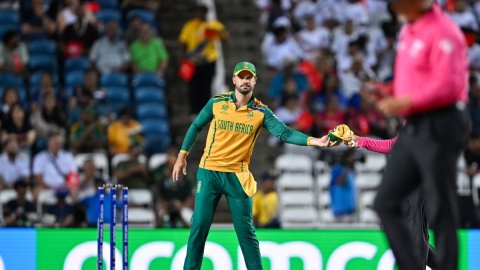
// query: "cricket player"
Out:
[236,119]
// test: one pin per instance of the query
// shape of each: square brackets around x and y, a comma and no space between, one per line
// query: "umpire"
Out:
[430,90]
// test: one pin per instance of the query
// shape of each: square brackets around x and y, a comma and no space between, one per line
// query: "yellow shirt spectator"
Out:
[265,208]
[122,133]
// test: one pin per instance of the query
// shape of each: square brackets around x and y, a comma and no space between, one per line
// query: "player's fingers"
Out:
[175,174]
[184,170]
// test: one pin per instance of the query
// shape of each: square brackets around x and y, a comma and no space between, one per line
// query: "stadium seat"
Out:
[10,79]
[367,180]
[148,79]
[151,112]
[295,181]
[463,184]
[326,216]
[140,197]
[324,200]
[156,143]
[323,181]
[366,199]
[76,64]
[368,216]
[144,15]
[117,98]
[4,28]
[476,189]
[36,79]
[293,163]
[298,217]
[109,4]
[9,17]
[74,79]
[114,80]
[154,127]
[122,157]
[42,62]
[149,95]
[100,160]
[320,166]
[42,46]
[108,15]
[373,163]
[156,161]
[140,217]
[296,198]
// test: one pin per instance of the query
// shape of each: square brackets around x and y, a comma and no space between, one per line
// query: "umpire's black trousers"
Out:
[425,155]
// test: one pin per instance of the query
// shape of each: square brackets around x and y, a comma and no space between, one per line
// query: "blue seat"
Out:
[148,79]
[108,15]
[36,78]
[4,28]
[76,64]
[42,62]
[154,126]
[74,79]
[149,95]
[116,98]
[114,80]
[108,4]
[151,111]
[11,80]
[9,17]
[156,143]
[144,15]
[42,46]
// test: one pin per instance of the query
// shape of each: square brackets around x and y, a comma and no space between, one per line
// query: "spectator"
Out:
[10,97]
[134,28]
[90,91]
[123,133]
[330,87]
[463,16]
[87,135]
[148,53]
[87,194]
[47,87]
[331,117]
[265,204]
[49,118]
[13,54]
[353,79]
[289,74]
[290,110]
[474,104]
[278,46]
[15,165]
[342,188]
[128,5]
[343,36]
[54,165]
[79,36]
[62,210]
[110,54]
[132,173]
[174,199]
[68,15]
[313,40]
[22,208]
[38,23]
[17,124]
[198,38]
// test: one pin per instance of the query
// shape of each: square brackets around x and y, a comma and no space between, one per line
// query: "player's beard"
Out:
[245,89]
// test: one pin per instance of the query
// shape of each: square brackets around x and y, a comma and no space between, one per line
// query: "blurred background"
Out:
[96,92]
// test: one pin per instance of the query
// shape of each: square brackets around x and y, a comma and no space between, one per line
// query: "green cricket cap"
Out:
[245,66]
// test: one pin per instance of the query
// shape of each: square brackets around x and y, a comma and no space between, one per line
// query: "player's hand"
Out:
[391,106]
[324,141]
[353,143]
[180,167]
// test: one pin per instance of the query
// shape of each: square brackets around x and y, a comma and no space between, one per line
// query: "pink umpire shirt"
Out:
[379,146]
[431,65]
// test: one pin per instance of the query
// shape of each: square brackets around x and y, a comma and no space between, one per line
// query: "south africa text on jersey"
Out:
[235,127]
